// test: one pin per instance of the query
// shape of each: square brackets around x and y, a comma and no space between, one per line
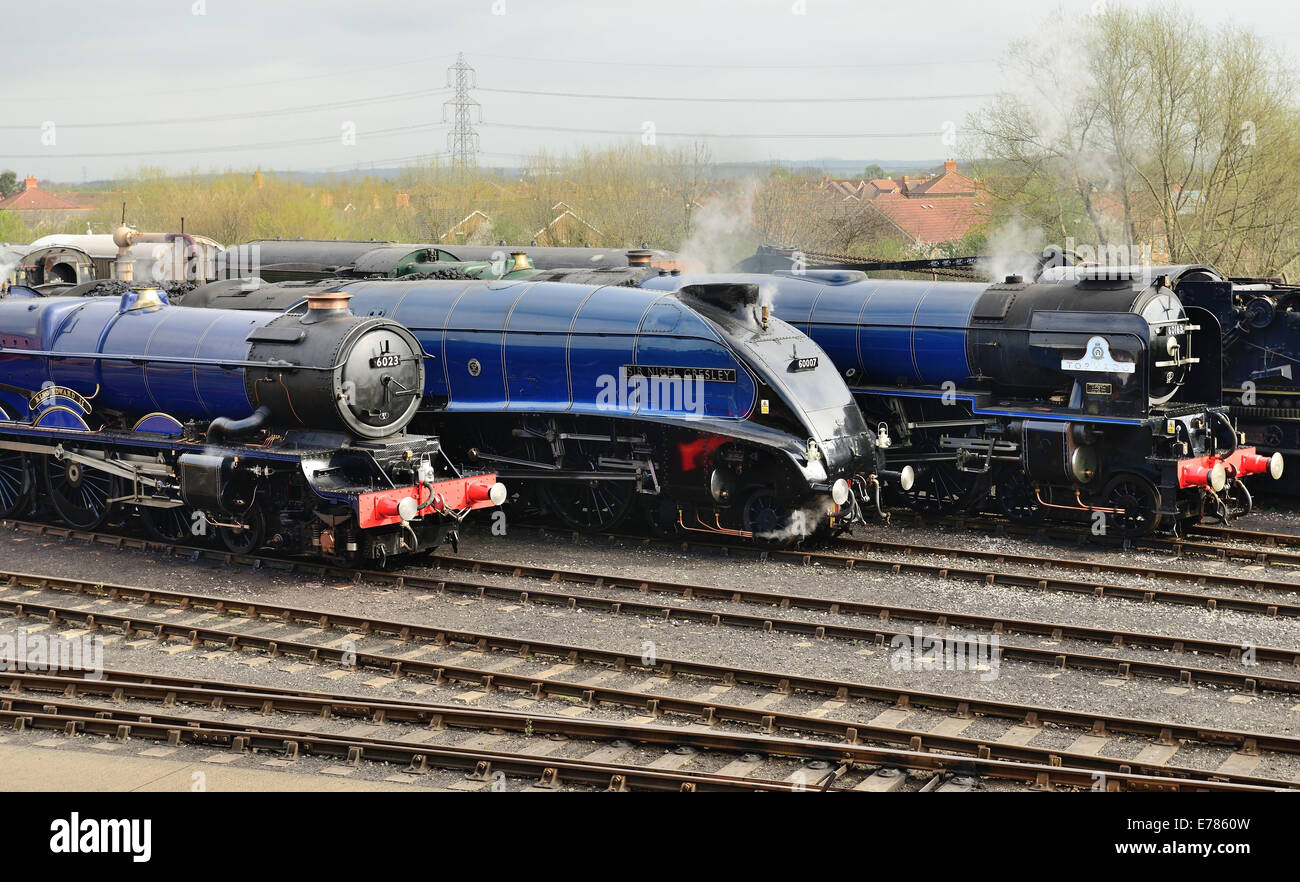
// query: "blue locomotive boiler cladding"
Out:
[699,407]
[1073,398]
[271,429]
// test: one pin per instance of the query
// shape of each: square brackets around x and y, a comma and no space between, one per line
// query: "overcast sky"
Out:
[77,65]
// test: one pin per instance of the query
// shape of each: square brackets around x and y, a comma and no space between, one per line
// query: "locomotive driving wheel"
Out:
[771,522]
[168,524]
[588,505]
[15,480]
[81,496]
[15,483]
[1017,498]
[661,516]
[942,487]
[248,537]
[1138,505]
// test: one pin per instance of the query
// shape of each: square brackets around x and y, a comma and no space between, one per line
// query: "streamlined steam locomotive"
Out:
[1082,399]
[697,407]
[264,428]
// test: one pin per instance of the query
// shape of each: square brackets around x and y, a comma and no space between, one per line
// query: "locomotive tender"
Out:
[1080,399]
[697,407]
[274,430]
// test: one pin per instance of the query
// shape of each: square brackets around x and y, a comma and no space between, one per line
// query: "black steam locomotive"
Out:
[1084,399]
[1260,319]
[267,429]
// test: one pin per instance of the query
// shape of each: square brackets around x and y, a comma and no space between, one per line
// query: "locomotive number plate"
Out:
[1097,388]
[804,364]
[387,360]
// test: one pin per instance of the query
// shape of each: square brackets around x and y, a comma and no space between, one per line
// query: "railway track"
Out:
[550,772]
[877,634]
[835,556]
[1272,607]
[942,754]
[1265,553]
[711,711]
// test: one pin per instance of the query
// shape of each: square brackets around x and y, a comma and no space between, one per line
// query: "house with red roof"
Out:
[40,208]
[929,210]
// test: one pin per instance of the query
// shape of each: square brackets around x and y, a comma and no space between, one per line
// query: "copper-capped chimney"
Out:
[327,304]
[638,258]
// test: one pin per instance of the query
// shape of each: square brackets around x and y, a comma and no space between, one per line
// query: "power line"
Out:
[258,114]
[188,90]
[694,65]
[758,136]
[227,148]
[685,98]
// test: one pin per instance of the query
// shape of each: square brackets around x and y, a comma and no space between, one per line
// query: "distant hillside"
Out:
[829,165]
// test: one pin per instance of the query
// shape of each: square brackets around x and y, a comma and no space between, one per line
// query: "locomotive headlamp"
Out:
[840,492]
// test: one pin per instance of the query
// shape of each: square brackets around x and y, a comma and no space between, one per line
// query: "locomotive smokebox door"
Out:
[331,368]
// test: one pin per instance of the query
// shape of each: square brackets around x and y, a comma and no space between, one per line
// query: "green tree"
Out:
[1155,129]
[873,172]
[8,183]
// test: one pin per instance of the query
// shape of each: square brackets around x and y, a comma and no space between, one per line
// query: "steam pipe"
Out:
[224,427]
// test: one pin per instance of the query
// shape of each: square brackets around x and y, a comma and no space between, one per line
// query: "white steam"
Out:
[1014,248]
[722,231]
[801,524]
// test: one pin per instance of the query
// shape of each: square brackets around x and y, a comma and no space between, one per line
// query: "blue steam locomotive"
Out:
[265,429]
[1081,398]
[698,407]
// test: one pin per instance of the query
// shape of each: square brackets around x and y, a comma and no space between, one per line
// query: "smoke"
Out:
[1013,248]
[722,231]
[9,260]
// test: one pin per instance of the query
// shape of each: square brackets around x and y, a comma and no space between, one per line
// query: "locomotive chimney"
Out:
[326,304]
[124,267]
[638,258]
